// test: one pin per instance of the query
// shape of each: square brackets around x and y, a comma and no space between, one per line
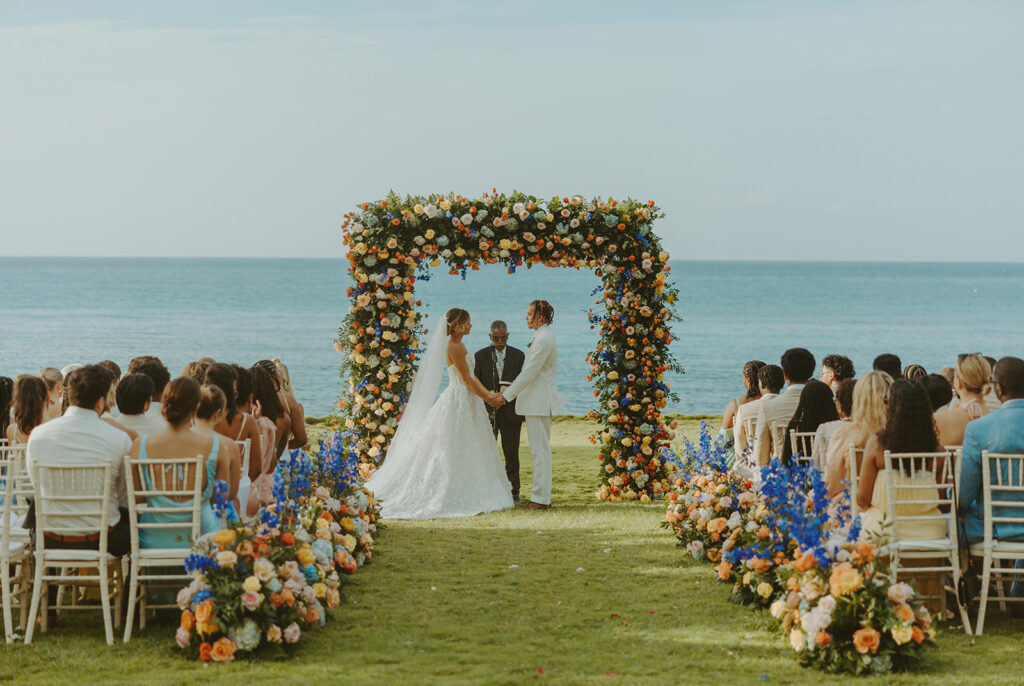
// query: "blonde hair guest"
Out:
[971,382]
[54,385]
[868,418]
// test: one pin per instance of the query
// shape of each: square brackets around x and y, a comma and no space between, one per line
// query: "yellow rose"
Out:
[320,588]
[225,537]
[627,442]
[459,252]
[350,542]
[435,263]
[417,208]
[902,634]
[445,205]
[613,376]
[429,234]
[304,556]
[252,583]
[348,524]
[505,244]
[764,589]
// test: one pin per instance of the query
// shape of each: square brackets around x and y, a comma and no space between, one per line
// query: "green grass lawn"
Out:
[586,592]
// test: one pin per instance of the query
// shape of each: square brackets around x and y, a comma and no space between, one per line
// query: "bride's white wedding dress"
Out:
[443,462]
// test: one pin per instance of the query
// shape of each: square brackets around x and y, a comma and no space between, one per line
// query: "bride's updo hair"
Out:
[455,317]
[544,309]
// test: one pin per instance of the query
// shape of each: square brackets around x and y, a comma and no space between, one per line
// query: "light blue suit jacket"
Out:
[1001,431]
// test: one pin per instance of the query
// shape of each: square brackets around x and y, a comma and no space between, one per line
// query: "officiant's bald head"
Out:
[499,334]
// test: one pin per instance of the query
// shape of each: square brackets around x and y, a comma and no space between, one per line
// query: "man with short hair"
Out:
[134,395]
[890,364]
[769,381]
[497,366]
[797,368]
[158,374]
[80,437]
[836,368]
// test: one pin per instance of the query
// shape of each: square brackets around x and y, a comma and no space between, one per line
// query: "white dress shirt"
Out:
[143,424]
[80,437]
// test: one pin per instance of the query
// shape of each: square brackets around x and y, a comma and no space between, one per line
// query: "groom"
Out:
[537,398]
[497,366]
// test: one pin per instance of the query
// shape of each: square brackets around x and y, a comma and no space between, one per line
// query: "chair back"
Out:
[169,491]
[854,461]
[17,473]
[955,451]
[802,444]
[9,477]
[1002,479]
[72,500]
[918,492]
[778,432]
[244,447]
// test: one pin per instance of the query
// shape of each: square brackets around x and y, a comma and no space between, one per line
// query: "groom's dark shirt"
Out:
[486,370]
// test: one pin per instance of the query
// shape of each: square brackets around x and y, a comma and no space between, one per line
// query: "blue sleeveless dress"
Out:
[179,538]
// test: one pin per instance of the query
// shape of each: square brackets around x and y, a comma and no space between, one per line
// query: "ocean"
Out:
[56,311]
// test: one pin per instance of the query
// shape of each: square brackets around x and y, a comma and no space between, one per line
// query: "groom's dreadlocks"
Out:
[544,309]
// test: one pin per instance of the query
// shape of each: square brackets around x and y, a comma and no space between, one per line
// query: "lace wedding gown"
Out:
[452,468]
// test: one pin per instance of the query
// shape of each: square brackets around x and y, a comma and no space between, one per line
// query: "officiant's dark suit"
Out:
[504,420]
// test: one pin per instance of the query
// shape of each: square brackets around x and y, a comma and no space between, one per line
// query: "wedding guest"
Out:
[65,372]
[890,364]
[970,382]
[769,382]
[296,411]
[196,369]
[991,401]
[237,424]
[797,367]
[844,407]
[157,372]
[6,396]
[273,422]
[53,379]
[211,410]
[178,440]
[133,396]
[866,420]
[997,432]
[948,374]
[816,406]
[113,368]
[29,408]
[836,368]
[497,366]
[914,372]
[752,393]
[81,438]
[939,391]
[273,404]
[909,428]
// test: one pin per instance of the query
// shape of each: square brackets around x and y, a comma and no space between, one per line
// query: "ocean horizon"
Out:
[60,310]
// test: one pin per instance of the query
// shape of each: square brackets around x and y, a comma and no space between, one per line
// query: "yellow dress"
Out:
[873,518]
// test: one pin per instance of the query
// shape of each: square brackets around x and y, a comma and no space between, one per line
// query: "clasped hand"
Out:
[496,400]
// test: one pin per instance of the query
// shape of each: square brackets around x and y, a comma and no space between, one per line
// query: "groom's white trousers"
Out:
[538,430]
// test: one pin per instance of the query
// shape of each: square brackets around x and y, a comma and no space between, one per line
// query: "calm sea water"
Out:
[57,311]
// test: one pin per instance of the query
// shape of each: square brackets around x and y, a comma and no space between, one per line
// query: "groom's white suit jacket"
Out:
[534,389]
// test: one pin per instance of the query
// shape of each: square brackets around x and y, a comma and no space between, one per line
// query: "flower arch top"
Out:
[393,242]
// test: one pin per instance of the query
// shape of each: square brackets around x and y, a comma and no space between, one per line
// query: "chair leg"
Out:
[37,588]
[24,583]
[954,562]
[1002,585]
[132,597]
[5,579]
[105,602]
[118,593]
[986,575]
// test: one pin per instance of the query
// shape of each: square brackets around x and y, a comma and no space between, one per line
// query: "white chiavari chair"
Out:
[802,445]
[15,554]
[854,460]
[922,511]
[164,496]
[778,434]
[1002,482]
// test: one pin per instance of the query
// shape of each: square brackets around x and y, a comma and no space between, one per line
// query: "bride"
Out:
[443,460]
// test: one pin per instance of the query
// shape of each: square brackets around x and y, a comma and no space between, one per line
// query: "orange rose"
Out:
[725,570]
[312,614]
[244,548]
[188,620]
[713,555]
[204,651]
[287,539]
[917,635]
[276,599]
[759,564]
[904,612]
[805,563]
[287,596]
[865,551]
[866,640]
[223,650]
[844,579]
[764,532]
[823,638]
[204,611]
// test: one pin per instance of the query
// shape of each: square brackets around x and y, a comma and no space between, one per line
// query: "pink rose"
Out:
[183,638]
[251,600]
[292,633]
[184,596]
[900,593]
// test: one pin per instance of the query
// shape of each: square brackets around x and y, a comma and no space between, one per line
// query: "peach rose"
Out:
[223,650]
[904,612]
[844,579]
[823,638]
[244,549]
[916,634]
[759,564]
[204,611]
[274,634]
[188,620]
[725,570]
[204,651]
[866,640]
[717,525]
[865,551]
[805,562]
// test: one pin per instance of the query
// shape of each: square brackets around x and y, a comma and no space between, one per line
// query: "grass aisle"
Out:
[584,593]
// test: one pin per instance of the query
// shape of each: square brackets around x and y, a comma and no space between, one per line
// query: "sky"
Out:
[765,130]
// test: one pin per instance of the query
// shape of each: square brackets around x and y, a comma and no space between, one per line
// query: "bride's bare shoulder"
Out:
[456,350]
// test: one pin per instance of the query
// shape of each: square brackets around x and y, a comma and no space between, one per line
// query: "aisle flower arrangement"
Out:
[271,580]
[786,547]
[394,242]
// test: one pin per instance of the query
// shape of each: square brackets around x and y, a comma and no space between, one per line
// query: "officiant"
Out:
[497,366]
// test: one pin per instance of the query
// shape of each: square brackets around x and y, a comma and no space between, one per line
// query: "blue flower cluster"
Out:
[199,563]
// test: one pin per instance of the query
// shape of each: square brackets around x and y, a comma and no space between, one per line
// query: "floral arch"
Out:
[394,242]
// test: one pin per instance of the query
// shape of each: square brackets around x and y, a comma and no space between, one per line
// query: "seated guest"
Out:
[274,423]
[236,425]
[769,382]
[157,372]
[939,391]
[178,440]
[295,409]
[197,369]
[867,420]
[797,368]
[29,408]
[272,402]
[971,385]
[909,428]
[913,372]
[817,405]
[997,432]
[80,437]
[991,401]
[753,392]
[844,406]
[6,396]
[53,379]
[888,363]
[211,410]
[836,368]
[296,427]
[113,368]
[134,395]
[948,373]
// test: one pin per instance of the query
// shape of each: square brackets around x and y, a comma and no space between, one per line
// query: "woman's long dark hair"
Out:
[6,396]
[817,406]
[30,397]
[750,370]
[224,377]
[909,425]
[264,391]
